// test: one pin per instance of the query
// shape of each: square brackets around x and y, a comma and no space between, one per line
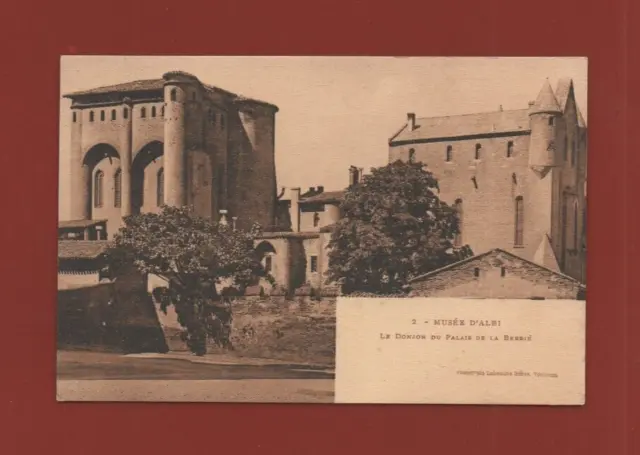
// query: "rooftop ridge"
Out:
[472,113]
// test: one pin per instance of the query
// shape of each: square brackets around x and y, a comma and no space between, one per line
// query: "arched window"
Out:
[91,116]
[412,155]
[74,117]
[125,113]
[173,94]
[160,188]
[457,241]
[551,121]
[102,116]
[98,188]
[478,150]
[153,111]
[117,188]
[509,149]
[519,222]
[316,219]
[143,112]
[449,156]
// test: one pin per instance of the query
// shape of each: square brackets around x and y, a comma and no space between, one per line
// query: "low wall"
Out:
[108,316]
[301,331]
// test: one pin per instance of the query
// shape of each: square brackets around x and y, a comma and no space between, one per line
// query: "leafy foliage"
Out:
[194,256]
[394,227]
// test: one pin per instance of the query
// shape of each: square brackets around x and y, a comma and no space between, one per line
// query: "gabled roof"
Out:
[496,252]
[81,249]
[513,121]
[326,197]
[69,224]
[546,100]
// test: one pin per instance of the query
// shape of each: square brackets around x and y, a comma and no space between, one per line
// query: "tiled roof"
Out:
[289,235]
[155,85]
[324,197]
[495,251]
[81,249]
[79,223]
[134,86]
[466,125]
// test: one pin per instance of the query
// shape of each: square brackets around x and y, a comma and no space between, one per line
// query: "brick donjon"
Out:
[177,141]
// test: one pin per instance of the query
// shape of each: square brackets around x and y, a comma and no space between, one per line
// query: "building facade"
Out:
[517,178]
[177,141]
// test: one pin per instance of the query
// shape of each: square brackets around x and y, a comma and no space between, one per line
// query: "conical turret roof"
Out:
[546,101]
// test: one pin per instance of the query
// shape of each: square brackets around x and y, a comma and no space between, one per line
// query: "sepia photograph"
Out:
[258,229]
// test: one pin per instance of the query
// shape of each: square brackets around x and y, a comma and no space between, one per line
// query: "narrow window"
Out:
[174,94]
[143,112]
[125,113]
[573,151]
[551,121]
[457,241]
[509,149]
[153,111]
[313,264]
[316,219]
[98,182]
[476,272]
[222,121]
[519,226]
[74,117]
[503,271]
[268,264]
[478,149]
[213,118]
[193,96]
[162,111]
[565,152]
[160,188]
[449,153]
[91,116]
[575,226]
[117,188]
[102,116]
[113,114]
[412,156]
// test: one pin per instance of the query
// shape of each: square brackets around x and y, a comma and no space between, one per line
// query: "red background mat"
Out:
[34,35]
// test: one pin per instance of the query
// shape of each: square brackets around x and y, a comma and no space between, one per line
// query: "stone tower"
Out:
[175,141]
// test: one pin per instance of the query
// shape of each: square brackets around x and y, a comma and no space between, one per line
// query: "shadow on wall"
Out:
[108,317]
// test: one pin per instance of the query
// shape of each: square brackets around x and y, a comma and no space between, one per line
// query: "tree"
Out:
[194,255]
[393,228]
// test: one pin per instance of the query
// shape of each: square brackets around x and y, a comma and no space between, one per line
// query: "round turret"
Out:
[544,115]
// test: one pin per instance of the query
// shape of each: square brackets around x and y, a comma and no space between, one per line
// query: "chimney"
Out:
[411,121]
[312,190]
[295,209]
[354,176]
[320,189]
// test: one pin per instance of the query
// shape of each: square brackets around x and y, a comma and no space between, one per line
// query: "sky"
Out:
[335,111]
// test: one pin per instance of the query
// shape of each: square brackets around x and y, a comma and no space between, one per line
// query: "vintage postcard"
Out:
[322,230]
